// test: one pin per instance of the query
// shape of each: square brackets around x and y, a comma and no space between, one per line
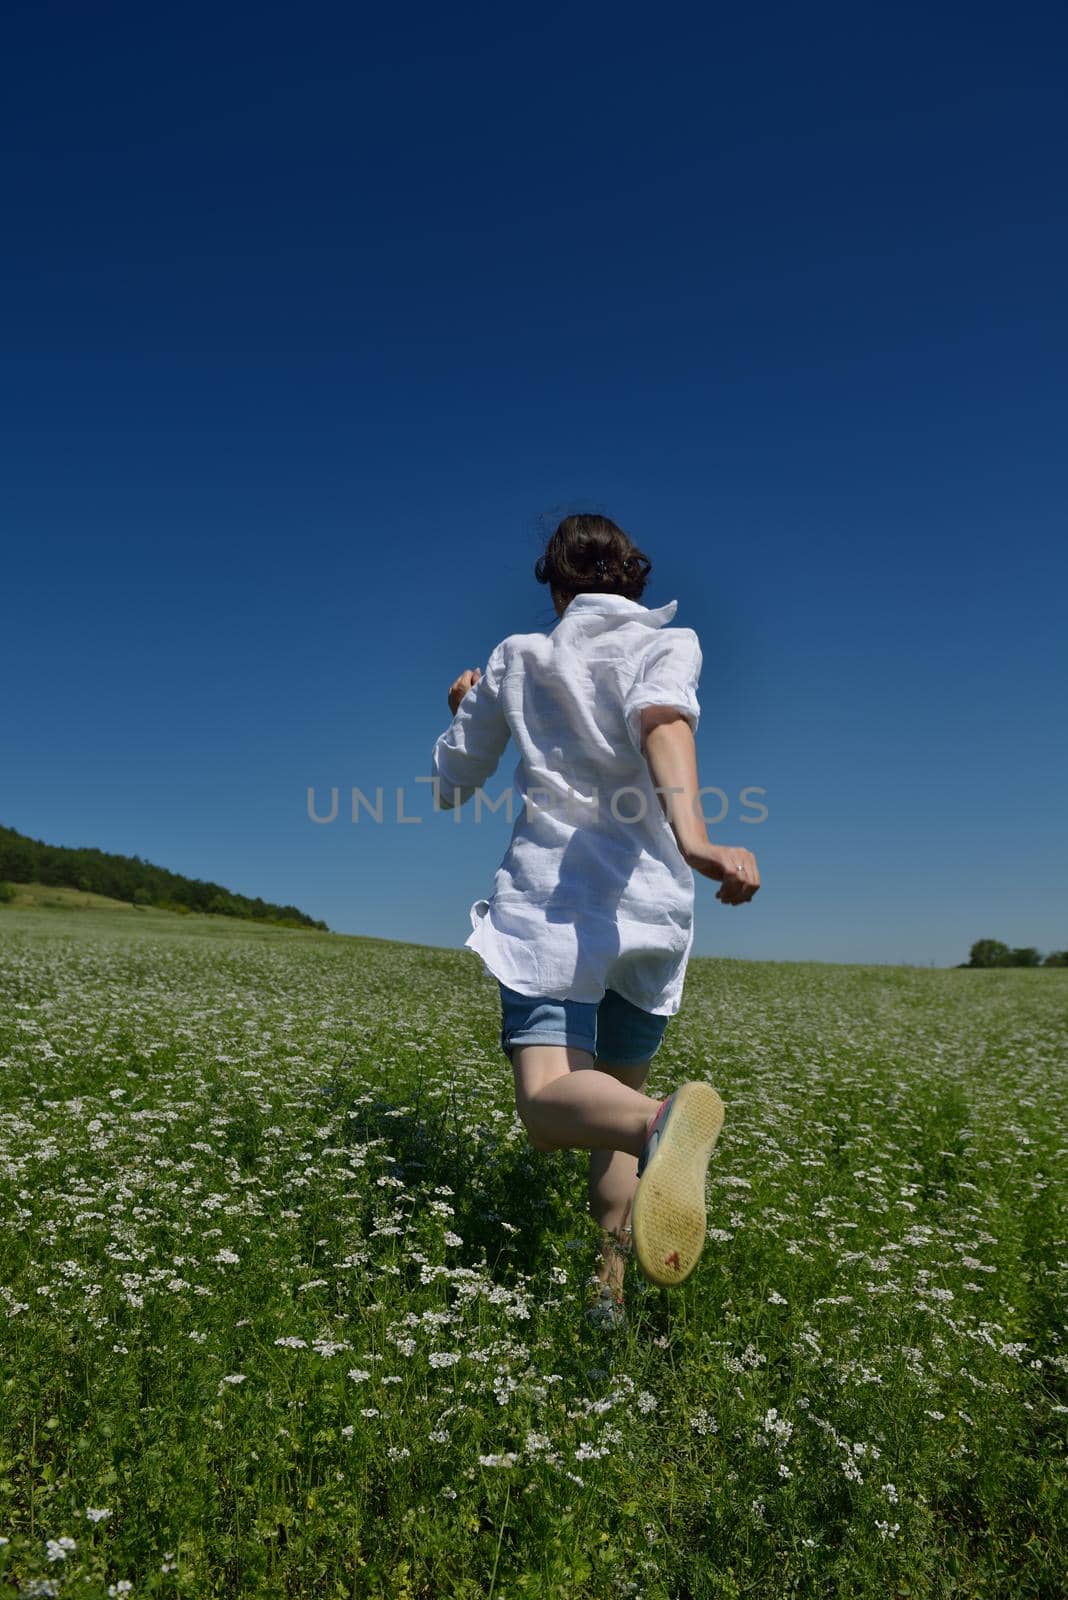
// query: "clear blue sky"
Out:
[312,320]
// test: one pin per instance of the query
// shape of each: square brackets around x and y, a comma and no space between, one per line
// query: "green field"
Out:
[291,1308]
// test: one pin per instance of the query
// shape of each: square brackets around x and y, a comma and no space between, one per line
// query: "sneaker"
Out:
[669,1203]
[606,1310]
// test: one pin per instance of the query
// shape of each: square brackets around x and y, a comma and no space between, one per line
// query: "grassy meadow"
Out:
[290,1307]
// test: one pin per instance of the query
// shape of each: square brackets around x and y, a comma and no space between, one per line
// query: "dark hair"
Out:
[588,554]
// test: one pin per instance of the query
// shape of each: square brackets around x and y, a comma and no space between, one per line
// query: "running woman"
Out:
[590,923]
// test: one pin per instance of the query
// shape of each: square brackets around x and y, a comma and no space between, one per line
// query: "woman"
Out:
[590,923]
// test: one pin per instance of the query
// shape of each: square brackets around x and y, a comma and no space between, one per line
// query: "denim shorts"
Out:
[612,1029]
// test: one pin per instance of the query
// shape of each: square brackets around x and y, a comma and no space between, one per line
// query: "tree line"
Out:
[992,953]
[25,860]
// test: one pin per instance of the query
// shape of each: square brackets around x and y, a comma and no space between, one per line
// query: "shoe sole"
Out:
[669,1205]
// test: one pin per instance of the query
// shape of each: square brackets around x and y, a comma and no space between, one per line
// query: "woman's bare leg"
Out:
[567,1100]
[567,1103]
[612,1182]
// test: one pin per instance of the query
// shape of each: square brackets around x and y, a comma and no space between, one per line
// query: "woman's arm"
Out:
[468,752]
[669,748]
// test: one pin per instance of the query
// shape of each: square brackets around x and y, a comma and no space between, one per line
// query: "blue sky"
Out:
[314,323]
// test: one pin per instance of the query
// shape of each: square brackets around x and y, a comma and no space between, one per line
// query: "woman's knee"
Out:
[539,1141]
[529,1116]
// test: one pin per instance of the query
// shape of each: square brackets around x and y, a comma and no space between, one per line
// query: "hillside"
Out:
[33,864]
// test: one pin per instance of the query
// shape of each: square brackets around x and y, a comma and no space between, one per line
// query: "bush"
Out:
[992,953]
[7,893]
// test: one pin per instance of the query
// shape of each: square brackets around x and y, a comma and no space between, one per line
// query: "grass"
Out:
[57,897]
[291,1308]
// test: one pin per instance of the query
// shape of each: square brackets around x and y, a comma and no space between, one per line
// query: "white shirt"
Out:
[583,900]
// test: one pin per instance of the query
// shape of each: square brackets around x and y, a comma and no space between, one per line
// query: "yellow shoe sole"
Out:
[669,1203]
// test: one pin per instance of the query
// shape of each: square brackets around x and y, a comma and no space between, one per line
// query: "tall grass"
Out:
[290,1307]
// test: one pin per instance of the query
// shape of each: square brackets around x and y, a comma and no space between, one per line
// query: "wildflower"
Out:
[507,1459]
[703,1422]
[646,1401]
[396,1453]
[443,1358]
[777,1426]
[56,1549]
[776,1299]
[97,1513]
[233,1377]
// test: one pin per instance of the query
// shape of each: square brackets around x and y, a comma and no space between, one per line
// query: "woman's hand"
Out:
[733,867]
[465,681]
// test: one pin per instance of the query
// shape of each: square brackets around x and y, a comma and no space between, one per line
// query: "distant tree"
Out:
[1056,958]
[989,953]
[7,893]
[1026,957]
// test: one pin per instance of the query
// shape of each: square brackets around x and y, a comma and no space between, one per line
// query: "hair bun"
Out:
[589,553]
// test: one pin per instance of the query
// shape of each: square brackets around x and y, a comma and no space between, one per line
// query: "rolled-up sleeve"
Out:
[469,750]
[668,676]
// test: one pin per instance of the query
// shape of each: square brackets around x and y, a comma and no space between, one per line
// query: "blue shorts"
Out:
[612,1029]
